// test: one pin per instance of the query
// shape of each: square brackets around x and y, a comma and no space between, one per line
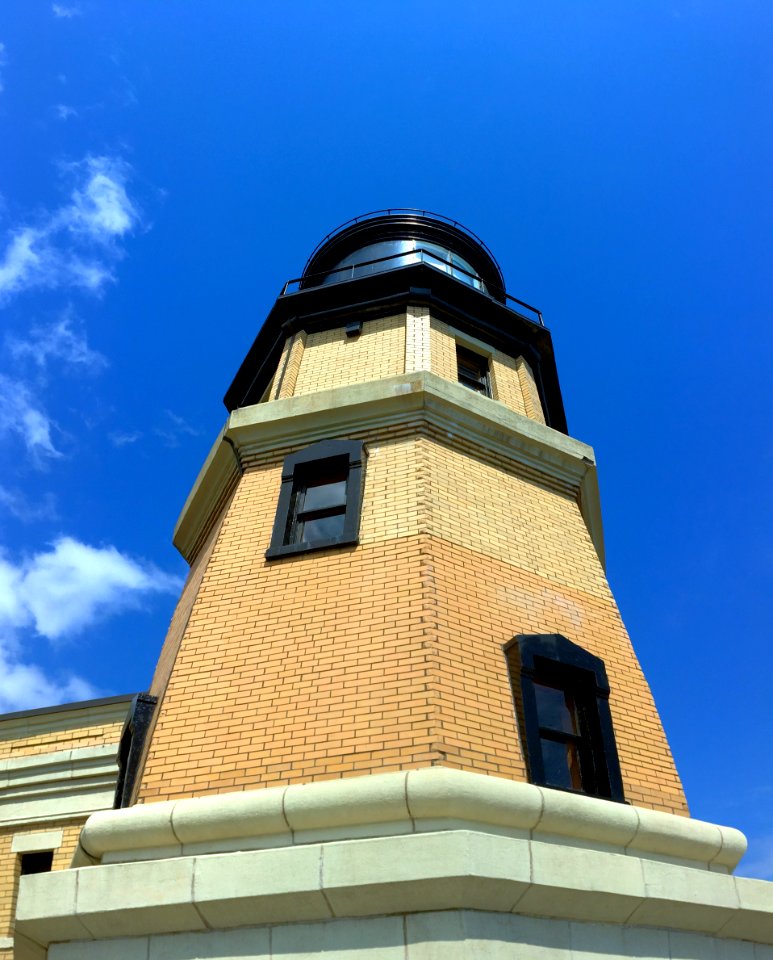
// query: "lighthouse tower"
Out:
[397,713]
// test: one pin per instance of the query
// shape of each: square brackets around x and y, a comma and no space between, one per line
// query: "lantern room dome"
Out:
[389,239]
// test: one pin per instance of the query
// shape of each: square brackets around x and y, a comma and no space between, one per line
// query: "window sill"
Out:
[291,549]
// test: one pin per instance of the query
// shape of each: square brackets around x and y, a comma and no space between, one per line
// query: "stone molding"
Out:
[350,410]
[413,801]
[64,783]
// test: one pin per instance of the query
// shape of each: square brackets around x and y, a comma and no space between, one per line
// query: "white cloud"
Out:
[123,439]
[174,429]
[73,584]
[76,245]
[64,112]
[62,12]
[63,340]
[21,416]
[23,508]
[24,686]
[59,592]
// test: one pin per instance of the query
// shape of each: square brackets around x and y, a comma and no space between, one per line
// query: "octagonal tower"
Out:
[398,714]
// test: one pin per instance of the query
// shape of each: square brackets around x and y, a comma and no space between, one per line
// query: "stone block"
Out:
[581,884]
[46,907]
[125,948]
[439,871]
[435,793]
[352,801]
[755,919]
[244,944]
[252,813]
[685,898]
[587,818]
[118,900]
[377,938]
[261,886]
[474,935]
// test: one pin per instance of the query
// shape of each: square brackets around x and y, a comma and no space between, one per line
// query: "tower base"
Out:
[419,864]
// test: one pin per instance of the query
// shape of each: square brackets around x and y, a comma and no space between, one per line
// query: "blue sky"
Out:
[165,167]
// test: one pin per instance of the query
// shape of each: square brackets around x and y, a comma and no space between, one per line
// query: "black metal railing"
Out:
[397,211]
[419,255]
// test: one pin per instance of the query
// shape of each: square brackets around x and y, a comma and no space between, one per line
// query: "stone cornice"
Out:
[352,410]
[68,716]
[57,785]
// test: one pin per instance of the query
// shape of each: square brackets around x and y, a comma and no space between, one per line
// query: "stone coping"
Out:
[412,801]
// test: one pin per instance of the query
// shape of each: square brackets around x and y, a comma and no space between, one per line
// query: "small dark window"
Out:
[39,861]
[472,370]
[320,497]
[561,696]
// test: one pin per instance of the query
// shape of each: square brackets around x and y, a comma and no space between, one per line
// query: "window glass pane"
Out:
[555,708]
[322,495]
[562,764]
[321,528]
[37,862]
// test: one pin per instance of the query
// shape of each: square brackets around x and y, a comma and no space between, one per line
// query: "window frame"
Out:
[298,464]
[554,661]
[485,361]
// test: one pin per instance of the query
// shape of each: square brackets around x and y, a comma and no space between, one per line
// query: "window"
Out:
[561,697]
[320,497]
[472,371]
[38,861]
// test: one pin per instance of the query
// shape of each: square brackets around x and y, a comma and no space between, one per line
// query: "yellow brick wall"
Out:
[64,738]
[531,399]
[394,345]
[508,382]
[331,359]
[389,655]
[290,364]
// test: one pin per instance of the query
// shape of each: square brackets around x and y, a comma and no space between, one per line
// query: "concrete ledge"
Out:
[410,874]
[407,802]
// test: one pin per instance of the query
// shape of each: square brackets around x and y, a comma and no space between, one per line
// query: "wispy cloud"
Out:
[24,686]
[3,62]
[64,112]
[21,415]
[58,593]
[65,13]
[63,340]
[23,508]
[174,429]
[125,438]
[77,244]
[758,862]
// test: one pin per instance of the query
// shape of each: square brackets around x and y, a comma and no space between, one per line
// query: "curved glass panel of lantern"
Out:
[392,254]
